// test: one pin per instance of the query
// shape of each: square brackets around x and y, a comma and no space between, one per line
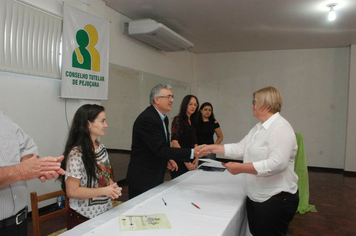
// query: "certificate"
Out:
[144,222]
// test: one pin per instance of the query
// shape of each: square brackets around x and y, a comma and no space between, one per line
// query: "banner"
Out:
[85,60]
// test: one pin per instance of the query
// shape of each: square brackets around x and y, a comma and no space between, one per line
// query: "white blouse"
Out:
[271,147]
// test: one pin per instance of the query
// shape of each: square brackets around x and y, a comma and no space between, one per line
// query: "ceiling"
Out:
[249,25]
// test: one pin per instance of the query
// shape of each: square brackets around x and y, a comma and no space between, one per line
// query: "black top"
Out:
[205,132]
[184,133]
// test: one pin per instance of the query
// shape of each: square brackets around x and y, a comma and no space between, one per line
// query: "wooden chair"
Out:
[36,219]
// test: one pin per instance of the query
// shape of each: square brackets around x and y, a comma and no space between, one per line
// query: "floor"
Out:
[332,192]
[334,196]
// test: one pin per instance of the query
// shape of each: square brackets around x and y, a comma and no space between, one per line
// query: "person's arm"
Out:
[281,145]
[150,131]
[213,148]
[238,168]
[30,167]
[73,190]
[196,160]
[172,165]
[175,144]
[220,136]
[175,131]
[177,128]
[9,175]
[189,165]
[49,174]
[27,147]
[233,167]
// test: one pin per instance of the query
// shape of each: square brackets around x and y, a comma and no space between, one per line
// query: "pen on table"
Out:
[164,202]
[195,206]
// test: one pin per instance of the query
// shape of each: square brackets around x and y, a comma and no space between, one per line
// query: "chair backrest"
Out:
[36,219]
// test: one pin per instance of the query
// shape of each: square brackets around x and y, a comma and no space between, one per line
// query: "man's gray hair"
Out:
[156,90]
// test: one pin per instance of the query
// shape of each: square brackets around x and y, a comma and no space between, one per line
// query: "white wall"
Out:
[313,82]
[34,103]
[129,52]
[314,85]
[350,162]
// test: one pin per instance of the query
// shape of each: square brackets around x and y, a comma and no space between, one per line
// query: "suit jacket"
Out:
[151,151]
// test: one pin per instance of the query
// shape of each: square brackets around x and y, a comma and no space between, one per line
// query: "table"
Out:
[219,195]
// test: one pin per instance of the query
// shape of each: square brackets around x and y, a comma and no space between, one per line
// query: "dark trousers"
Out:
[272,217]
[74,218]
[15,230]
[134,192]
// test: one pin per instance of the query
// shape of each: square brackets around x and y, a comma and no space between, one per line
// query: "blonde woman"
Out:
[268,152]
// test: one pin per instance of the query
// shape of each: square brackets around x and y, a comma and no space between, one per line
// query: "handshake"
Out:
[202,150]
[199,151]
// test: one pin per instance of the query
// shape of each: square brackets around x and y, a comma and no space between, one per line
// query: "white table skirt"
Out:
[219,195]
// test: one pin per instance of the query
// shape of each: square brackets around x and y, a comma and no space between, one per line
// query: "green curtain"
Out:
[301,169]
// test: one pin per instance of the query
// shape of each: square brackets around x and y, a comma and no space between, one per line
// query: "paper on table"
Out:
[212,163]
[144,222]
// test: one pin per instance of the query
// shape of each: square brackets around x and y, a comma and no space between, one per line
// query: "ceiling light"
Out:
[332,14]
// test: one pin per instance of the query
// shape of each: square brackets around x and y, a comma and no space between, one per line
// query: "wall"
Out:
[314,85]
[34,103]
[128,52]
[129,91]
[350,162]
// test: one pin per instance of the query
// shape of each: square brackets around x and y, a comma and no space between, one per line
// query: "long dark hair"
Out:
[184,106]
[79,136]
[211,117]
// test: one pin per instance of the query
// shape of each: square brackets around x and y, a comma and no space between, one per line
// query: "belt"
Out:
[14,220]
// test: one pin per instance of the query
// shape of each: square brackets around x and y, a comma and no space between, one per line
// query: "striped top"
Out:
[14,144]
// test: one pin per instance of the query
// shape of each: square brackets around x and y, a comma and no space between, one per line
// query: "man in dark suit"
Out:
[151,151]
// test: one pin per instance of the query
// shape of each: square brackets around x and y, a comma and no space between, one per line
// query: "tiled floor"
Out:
[332,192]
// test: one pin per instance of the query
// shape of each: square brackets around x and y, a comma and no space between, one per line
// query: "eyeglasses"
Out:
[254,102]
[168,96]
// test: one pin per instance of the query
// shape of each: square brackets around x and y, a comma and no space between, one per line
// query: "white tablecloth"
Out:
[219,195]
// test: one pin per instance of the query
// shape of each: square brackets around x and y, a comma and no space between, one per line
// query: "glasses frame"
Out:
[168,96]
[254,102]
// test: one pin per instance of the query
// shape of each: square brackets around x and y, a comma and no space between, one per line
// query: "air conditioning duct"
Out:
[157,35]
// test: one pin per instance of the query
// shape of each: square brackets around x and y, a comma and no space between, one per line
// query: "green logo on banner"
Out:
[86,56]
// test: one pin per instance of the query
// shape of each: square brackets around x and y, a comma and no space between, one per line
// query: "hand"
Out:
[113,191]
[204,150]
[34,167]
[48,176]
[189,165]
[233,167]
[196,162]
[172,165]
[197,151]
[237,168]
[53,174]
